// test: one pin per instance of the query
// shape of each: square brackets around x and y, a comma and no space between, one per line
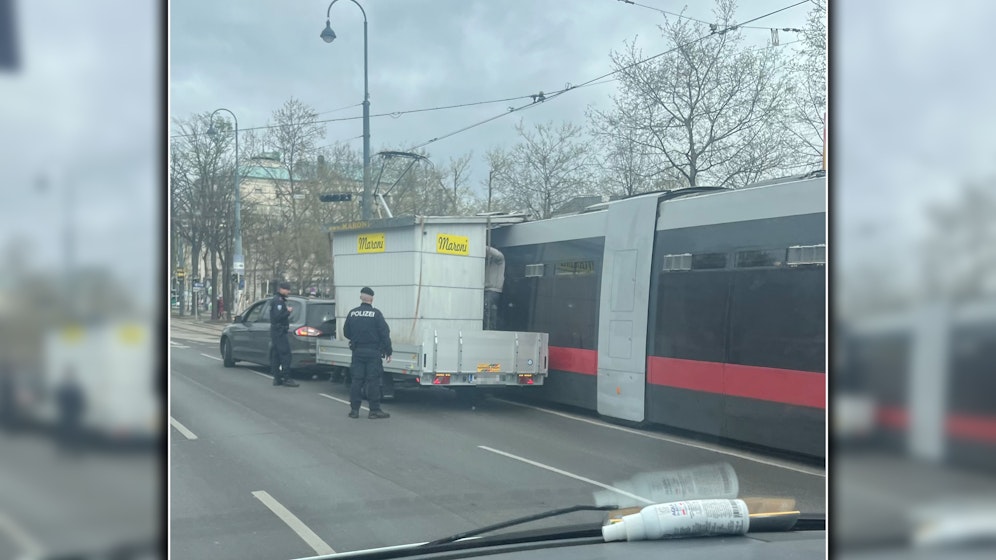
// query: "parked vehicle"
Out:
[247,339]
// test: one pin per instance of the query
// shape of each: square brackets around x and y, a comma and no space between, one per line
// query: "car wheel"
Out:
[226,353]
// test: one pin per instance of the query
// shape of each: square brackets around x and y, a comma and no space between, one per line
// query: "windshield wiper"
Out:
[518,521]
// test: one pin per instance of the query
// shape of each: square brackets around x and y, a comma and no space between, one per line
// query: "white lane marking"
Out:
[30,545]
[675,440]
[302,530]
[266,375]
[567,474]
[175,344]
[343,401]
[212,357]
[181,428]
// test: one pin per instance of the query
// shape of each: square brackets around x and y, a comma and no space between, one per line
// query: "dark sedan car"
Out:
[248,337]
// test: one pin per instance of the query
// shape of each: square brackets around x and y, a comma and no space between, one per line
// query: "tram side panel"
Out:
[970,421]
[554,288]
[737,345]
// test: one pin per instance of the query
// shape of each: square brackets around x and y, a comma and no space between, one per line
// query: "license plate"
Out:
[482,379]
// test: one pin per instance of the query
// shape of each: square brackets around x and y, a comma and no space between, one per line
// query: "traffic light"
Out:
[339,197]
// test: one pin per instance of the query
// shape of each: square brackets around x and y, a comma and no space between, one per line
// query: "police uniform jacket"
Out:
[367,331]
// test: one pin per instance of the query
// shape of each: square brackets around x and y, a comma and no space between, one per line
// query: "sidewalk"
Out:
[191,321]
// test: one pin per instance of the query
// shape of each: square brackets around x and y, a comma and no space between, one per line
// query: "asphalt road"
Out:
[277,472]
[53,503]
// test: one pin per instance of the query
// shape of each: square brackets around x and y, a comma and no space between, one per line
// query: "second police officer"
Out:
[370,342]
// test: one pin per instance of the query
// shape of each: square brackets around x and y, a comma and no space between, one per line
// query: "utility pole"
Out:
[328,36]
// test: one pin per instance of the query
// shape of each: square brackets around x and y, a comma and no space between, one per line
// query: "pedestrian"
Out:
[370,342]
[494,281]
[280,352]
[8,396]
[72,404]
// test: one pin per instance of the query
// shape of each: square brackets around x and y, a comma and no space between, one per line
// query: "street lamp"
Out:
[238,262]
[328,36]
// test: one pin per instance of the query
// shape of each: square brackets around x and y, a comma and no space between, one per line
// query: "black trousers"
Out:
[366,372]
[492,301]
[280,355]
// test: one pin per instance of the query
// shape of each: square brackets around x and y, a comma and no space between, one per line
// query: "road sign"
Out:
[181,273]
[339,197]
[238,263]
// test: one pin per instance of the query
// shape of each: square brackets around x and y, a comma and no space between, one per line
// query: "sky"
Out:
[910,98]
[911,111]
[82,112]
[252,56]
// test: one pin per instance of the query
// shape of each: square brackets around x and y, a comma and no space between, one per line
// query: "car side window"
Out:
[264,312]
[254,313]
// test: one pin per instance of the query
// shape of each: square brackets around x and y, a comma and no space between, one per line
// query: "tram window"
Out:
[779,319]
[970,381]
[807,254]
[707,261]
[575,268]
[760,258]
[691,316]
[677,262]
[698,261]
[534,270]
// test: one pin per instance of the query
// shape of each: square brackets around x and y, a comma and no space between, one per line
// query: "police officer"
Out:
[280,352]
[370,340]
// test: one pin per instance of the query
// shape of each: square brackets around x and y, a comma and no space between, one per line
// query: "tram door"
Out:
[624,308]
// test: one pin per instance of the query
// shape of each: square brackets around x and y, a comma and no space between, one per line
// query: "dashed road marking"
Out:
[343,401]
[30,545]
[292,521]
[181,428]
[567,474]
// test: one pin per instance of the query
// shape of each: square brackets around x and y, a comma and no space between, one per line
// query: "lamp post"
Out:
[328,36]
[238,261]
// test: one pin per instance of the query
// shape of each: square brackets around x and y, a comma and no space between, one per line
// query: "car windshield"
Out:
[573,302]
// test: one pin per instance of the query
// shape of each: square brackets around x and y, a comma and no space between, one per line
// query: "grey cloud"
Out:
[422,54]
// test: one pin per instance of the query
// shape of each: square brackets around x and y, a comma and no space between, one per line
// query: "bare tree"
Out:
[700,111]
[202,194]
[457,175]
[546,168]
[959,254]
[626,167]
[295,135]
[807,108]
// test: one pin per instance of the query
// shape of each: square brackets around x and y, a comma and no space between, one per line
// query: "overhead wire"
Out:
[542,98]
[393,114]
[535,98]
[656,9]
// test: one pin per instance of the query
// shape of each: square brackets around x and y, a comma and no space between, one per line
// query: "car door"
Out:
[259,331]
[241,335]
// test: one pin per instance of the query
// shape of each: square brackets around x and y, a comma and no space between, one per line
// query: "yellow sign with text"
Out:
[488,368]
[370,243]
[452,244]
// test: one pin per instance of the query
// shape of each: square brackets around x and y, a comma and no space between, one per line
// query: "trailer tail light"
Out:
[526,379]
[308,331]
[441,379]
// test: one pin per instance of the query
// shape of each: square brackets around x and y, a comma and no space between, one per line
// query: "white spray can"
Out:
[692,518]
